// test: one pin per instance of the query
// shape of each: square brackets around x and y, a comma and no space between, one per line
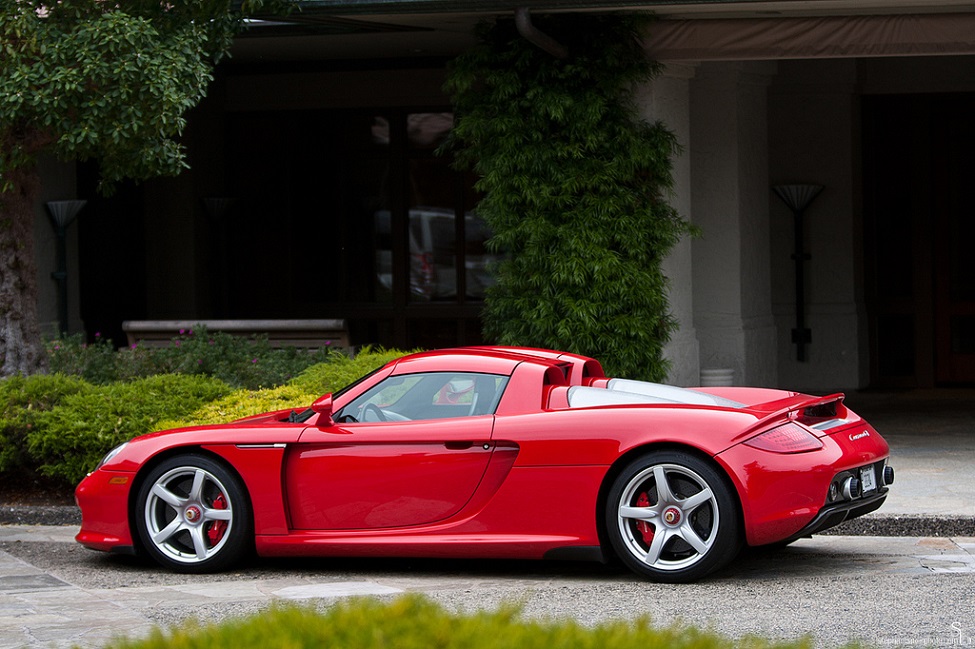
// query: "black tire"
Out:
[192,515]
[678,534]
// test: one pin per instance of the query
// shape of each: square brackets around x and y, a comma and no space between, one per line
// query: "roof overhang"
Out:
[670,8]
[694,30]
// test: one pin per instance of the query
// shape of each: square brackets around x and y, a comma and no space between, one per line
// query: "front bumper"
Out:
[103,498]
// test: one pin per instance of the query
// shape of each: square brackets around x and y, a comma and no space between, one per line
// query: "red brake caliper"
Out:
[645,528]
[217,528]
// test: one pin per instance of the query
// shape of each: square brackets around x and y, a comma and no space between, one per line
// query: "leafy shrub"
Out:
[236,360]
[332,377]
[575,189]
[315,381]
[413,621]
[62,426]
[241,403]
[69,440]
[22,401]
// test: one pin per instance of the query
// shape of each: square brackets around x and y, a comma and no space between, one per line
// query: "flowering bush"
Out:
[249,363]
[72,356]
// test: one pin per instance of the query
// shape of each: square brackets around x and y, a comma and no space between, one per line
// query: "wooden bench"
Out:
[310,334]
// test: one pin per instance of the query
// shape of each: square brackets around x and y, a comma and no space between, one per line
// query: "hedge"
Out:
[61,426]
[23,400]
[315,381]
[72,437]
[414,622]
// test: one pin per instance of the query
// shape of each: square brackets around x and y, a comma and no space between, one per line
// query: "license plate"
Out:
[867,479]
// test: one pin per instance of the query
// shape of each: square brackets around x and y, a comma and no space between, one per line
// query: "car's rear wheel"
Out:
[192,515]
[671,517]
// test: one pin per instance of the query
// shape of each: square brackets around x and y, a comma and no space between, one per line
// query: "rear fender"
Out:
[617,467]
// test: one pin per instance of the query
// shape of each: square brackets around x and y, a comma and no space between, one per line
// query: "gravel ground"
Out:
[883,591]
[40,515]
[870,525]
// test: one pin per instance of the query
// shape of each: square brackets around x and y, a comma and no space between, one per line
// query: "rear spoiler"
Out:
[827,413]
[818,413]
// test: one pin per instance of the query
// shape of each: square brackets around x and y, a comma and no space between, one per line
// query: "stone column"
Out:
[667,99]
[730,190]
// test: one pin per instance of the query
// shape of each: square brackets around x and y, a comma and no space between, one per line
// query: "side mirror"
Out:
[323,406]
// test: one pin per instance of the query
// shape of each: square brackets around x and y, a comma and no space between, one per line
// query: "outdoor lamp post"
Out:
[798,198]
[62,213]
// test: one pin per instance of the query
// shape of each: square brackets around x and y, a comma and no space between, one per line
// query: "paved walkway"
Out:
[932,440]
[38,609]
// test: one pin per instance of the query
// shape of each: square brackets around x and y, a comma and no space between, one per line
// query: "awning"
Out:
[806,38]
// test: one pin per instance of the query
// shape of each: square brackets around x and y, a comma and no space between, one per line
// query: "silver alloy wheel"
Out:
[188,515]
[682,511]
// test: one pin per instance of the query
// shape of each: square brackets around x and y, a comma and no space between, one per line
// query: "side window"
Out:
[435,395]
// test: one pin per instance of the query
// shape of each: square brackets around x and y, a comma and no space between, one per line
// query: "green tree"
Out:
[575,189]
[92,80]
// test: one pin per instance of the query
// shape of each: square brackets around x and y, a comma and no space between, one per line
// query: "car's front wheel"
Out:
[192,515]
[671,517]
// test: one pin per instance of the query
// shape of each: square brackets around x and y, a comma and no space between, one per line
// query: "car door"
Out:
[406,453]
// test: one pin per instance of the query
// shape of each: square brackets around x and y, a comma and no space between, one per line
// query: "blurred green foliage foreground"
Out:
[414,622]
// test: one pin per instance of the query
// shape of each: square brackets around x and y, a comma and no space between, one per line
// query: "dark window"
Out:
[356,215]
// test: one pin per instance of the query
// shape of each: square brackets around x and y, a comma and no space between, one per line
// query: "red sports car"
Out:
[495,452]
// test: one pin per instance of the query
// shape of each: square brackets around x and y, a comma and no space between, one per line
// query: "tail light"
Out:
[788,438]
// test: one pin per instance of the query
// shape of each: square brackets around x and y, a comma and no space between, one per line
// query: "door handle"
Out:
[463,446]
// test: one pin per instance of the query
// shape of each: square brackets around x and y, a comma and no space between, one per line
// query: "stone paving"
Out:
[37,609]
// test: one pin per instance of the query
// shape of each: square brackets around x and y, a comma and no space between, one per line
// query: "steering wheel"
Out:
[371,407]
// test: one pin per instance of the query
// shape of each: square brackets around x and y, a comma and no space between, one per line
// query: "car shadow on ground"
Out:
[752,563]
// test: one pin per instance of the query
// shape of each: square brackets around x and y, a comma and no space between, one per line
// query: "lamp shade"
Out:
[217,207]
[797,197]
[64,212]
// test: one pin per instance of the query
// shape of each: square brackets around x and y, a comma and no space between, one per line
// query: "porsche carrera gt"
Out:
[495,452]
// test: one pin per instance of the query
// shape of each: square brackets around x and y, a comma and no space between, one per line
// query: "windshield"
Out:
[359,380]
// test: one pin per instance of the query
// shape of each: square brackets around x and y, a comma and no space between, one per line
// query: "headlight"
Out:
[788,438]
[115,451]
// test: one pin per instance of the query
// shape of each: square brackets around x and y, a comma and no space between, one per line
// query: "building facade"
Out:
[316,190]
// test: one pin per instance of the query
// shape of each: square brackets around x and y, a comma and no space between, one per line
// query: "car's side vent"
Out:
[592,369]
[557,375]
[566,370]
